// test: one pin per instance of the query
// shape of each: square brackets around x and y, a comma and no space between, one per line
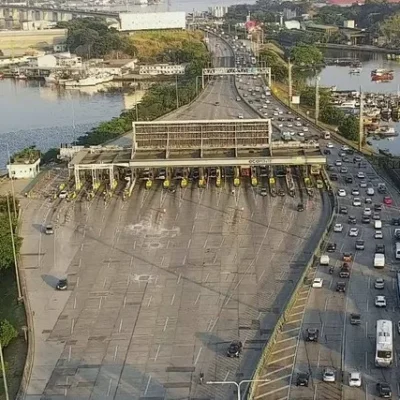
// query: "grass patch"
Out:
[151,43]
[15,352]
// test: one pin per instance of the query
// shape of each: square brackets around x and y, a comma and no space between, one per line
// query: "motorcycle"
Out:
[331,270]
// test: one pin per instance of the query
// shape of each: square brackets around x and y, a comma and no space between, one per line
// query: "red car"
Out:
[387,200]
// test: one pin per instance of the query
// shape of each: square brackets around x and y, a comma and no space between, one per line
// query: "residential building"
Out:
[63,60]
[218,11]
[162,69]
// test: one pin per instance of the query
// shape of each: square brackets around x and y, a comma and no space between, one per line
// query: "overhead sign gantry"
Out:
[221,71]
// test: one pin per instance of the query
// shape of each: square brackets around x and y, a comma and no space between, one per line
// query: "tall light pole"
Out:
[317,100]
[238,385]
[176,91]
[361,121]
[290,82]
[3,370]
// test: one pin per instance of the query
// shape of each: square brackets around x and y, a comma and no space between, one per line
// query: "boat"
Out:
[382,77]
[1,76]
[355,71]
[348,104]
[89,81]
[20,76]
[387,131]
[385,152]
[381,71]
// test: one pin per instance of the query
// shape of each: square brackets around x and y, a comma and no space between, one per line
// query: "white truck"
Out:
[379,260]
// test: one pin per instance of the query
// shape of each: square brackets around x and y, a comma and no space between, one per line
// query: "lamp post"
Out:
[238,385]
[3,370]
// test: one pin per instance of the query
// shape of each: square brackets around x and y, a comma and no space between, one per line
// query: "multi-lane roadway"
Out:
[161,284]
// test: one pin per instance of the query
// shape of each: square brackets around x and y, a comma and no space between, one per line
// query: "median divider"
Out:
[303,281]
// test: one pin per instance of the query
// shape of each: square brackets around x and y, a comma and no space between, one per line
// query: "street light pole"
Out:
[3,370]
[238,385]
[176,90]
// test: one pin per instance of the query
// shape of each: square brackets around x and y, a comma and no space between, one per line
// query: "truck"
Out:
[324,260]
[345,270]
[379,260]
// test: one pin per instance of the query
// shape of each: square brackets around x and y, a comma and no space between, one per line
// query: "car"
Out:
[377,207]
[360,175]
[341,287]
[357,202]
[312,335]
[360,244]
[333,177]
[363,184]
[338,228]
[326,151]
[353,232]
[343,210]
[330,145]
[380,249]
[305,129]
[62,284]
[352,220]
[346,159]
[370,191]
[300,207]
[357,159]
[355,319]
[355,192]
[63,194]
[217,103]
[378,235]
[367,212]
[396,221]
[387,200]
[302,379]
[301,134]
[330,167]
[368,200]
[317,282]
[379,283]
[341,193]
[49,230]
[240,116]
[338,163]
[376,216]
[263,192]
[365,219]
[238,98]
[234,349]
[347,257]
[348,179]
[344,170]
[380,301]
[329,375]
[355,379]
[384,390]
[331,247]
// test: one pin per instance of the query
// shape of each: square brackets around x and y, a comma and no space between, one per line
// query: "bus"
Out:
[384,343]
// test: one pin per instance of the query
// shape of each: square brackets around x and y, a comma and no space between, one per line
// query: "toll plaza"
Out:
[193,150]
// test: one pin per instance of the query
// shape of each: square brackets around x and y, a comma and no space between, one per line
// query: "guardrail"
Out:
[302,281]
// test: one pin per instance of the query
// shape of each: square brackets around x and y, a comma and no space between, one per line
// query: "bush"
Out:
[7,333]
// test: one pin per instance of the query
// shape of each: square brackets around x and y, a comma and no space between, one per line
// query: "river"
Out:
[340,77]
[34,114]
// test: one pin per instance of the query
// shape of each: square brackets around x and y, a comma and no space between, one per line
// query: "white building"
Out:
[162,69]
[23,170]
[349,23]
[66,60]
[218,11]
[152,21]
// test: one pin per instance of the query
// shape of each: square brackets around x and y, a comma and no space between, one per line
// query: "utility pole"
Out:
[290,82]
[176,90]
[3,370]
[361,122]
[317,100]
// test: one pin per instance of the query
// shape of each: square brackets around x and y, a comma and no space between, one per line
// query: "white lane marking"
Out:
[281,359]
[285,340]
[157,352]
[285,349]
[291,330]
[172,300]
[165,325]
[198,355]
[147,386]
[115,352]
[271,392]
[275,371]
[120,326]
[274,380]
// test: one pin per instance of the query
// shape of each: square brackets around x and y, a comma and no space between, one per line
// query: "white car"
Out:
[367,212]
[370,191]
[317,282]
[341,193]
[63,194]
[330,145]
[355,379]
[240,116]
[329,375]
[305,129]
[380,301]
[290,125]
[353,232]
[378,235]
[361,175]
[298,123]
[265,106]
[267,101]
[357,202]
[338,163]
[355,192]
[338,228]
[301,134]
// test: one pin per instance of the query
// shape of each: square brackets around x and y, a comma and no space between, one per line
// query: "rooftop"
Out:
[26,156]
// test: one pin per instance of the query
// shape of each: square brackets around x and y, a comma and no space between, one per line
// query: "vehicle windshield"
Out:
[384,354]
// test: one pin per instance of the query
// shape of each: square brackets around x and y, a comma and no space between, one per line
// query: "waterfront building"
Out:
[62,60]
[24,165]
[162,69]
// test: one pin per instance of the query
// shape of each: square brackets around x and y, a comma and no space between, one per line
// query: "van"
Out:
[378,224]
[379,261]
[324,259]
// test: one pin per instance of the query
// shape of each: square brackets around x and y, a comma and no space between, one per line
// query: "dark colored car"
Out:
[341,287]
[380,249]
[281,192]
[352,220]
[302,379]
[348,179]
[366,220]
[62,284]
[343,210]
[327,152]
[330,167]
[312,335]
[355,319]
[377,207]
[331,247]
[300,207]
[333,177]
[384,390]
[396,221]
[234,349]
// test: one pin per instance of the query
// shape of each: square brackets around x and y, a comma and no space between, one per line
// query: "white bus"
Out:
[384,343]
[397,250]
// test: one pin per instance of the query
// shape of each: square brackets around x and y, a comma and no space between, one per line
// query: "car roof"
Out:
[329,370]
[380,298]
[355,375]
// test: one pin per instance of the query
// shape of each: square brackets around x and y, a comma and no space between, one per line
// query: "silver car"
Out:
[329,375]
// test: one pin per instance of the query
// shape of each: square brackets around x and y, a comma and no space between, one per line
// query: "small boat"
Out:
[1,76]
[385,152]
[381,71]
[355,71]
[20,76]
[382,77]
[387,131]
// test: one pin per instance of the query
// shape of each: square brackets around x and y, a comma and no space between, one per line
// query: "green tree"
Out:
[306,55]
[331,115]
[6,250]
[279,68]
[349,127]
[7,333]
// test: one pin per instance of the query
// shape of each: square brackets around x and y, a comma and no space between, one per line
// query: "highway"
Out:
[345,347]
[161,284]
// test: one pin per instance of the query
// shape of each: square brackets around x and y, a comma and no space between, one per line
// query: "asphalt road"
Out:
[159,285]
[348,348]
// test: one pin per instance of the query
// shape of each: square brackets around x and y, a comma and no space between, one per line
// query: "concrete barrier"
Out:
[271,342]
